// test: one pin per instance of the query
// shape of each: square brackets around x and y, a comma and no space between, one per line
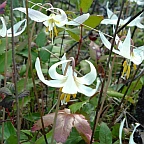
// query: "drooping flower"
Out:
[124,49]
[58,18]
[4,29]
[17,27]
[139,2]
[137,22]
[113,18]
[68,82]
[131,140]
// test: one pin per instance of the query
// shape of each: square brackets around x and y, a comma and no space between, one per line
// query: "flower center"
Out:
[126,69]
[65,97]
[52,25]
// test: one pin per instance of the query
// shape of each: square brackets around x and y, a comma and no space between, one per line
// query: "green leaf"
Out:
[12,140]
[105,135]
[2,60]
[119,95]
[41,39]
[77,106]
[142,80]
[74,137]
[73,35]
[85,5]
[41,140]
[93,21]
[32,117]
[44,54]
[28,132]
[20,84]
[2,45]
[115,131]
[8,130]
[116,142]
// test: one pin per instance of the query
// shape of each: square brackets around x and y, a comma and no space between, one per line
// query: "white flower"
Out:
[112,19]
[137,22]
[68,82]
[58,18]
[4,32]
[120,130]
[139,2]
[124,49]
[131,141]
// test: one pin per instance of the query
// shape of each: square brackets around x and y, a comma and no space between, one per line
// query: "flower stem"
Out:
[55,118]
[80,41]
[31,69]
[102,91]
[15,76]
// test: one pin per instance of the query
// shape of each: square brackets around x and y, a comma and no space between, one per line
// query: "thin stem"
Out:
[5,71]
[80,41]
[62,43]
[55,118]
[101,92]
[15,76]
[118,107]
[33,79]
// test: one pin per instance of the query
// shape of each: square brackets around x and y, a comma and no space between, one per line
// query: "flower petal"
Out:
[33,14]
[90,77]
[16,27]
[107,43]
[125,49]
[60,18]
[4,29]
[109,21]
[131,141]
[110,14]
[79,20]
[104,40]
[53,73]
[52,83]
[64,64]
[70,86]
[125,21]
[85,90]
[120,130]
[138,56]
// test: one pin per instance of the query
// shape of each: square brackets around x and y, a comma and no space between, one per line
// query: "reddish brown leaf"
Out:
[47,119]
[83,127]
[63,128]
[2,7]
[65,122]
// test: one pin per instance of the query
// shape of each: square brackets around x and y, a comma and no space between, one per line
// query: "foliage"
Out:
[89,82]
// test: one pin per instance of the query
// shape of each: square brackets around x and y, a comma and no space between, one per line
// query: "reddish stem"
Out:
[80,41]
[11,118]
